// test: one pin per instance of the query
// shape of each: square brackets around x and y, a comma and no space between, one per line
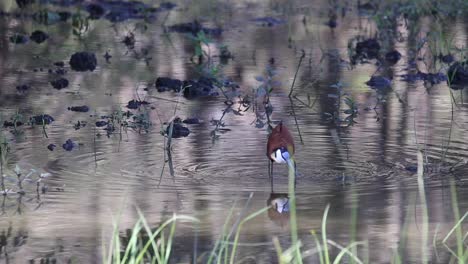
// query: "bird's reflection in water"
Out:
[279,208]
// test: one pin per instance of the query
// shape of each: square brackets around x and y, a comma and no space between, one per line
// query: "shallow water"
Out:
[368,166]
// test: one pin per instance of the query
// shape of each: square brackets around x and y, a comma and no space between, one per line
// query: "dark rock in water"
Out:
[41,119]
[192,121]
[200,88]
[95,10]
[193,28]
[12,124]
[393,56]
[178,131]
[51,147]
[38,36]
[458,75]
[269,21]
[81,108]
[23,88]
[68,145]
[134,104]
[366,50]
[379,82]
[83,61]
[24,3]
[165,84]
[101,123]
[59,64]
[59,83]
[19,39]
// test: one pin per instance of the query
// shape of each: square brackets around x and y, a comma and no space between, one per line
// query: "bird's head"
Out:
[281,155]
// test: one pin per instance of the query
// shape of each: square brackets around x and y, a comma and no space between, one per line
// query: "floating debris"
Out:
[135,104]
[225,54]
[367,8]
[38,36]
[79,124]
[366,50]
[200,88]
[191,121]
[51,147]
[118,11]
[101,123]
[129,40]
[41,119]
[393,56]
[432,78]
[379,82]
[59,64]
[203,87]
[95,10]
[167,5]
[165,84]
[193,28]
[48,17]
[178,130]
[82,108]
[23,88]
[12,124]
[107,57]
[68,145]
[24,3]
[83,61]
[458,75]
[19,39]
[446,58]
[59,83]
[269,21]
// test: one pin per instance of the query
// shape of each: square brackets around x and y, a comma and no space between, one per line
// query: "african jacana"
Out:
[280,147]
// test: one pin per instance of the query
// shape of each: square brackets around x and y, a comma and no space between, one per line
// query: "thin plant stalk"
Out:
[425,218]
[292,209]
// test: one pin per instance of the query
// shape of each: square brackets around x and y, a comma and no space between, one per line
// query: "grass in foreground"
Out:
[145,245]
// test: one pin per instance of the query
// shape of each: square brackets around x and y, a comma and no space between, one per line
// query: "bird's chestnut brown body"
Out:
[280,137]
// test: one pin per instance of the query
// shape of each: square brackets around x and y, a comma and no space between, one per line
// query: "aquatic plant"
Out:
[4,151]
[144,244]
[80,24]
[350,113]
[201,41]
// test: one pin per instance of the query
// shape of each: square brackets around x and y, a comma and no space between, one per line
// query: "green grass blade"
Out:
[236,239]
